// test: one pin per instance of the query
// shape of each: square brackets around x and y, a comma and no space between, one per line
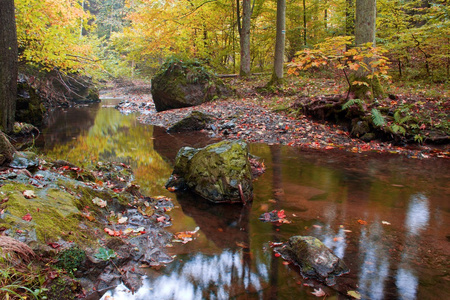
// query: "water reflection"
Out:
[417,218]
[221,276]
[374,262]
[323,194]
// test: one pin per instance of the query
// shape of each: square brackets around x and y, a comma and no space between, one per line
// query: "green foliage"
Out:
[70,259]
[352,102]
[377,118]
[105,254]
[23,284]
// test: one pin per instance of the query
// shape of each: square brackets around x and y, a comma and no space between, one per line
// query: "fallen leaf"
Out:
[385,223]
[100,202]
[362,222]
[113,232]
[28,194]
[242,245]
[318,292]
[122,220]
[354,294]
[27,217]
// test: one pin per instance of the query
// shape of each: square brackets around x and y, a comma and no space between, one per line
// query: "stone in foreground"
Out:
[219,172]
[314,259]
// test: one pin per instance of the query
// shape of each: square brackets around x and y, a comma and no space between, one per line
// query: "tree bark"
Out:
[8,65]
[366,11]
[244,37]
[277,75]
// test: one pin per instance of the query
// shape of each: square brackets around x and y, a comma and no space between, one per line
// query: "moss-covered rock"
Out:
[195,121]
[220,172]
[6,150]
[181,83]
[314,258]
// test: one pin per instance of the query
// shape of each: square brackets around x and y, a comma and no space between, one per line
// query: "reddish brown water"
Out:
[386,216]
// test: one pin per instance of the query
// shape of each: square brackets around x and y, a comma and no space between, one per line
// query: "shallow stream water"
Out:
[386,216]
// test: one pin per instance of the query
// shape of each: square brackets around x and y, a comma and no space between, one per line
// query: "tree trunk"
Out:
[349,18]
[277,75]
[366,11]
[8,65]
[304,22]
[244,37]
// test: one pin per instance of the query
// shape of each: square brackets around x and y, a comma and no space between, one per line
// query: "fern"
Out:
[378,118]
[351,102]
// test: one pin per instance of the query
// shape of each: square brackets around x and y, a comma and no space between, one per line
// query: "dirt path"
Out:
[247,118]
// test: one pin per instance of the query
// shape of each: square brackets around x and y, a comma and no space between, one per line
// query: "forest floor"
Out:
[272,117]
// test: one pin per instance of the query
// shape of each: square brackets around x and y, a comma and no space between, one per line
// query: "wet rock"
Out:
[185,83]
[219,172]
[6,150]
[314,259]
[25,160]
[195,121]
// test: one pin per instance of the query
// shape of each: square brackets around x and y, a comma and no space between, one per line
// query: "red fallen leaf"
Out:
[117,190]
[281,214]
[27,217]
[65,167]
[171,189]
[277,254]
[113,232]
[54,245]
[362,222]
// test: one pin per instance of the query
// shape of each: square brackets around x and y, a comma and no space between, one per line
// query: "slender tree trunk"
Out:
[244,37]
[349,18]
[304,22]
[365,22]
[8,65]
[277,75]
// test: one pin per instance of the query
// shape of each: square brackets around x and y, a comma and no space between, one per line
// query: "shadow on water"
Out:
[387,216]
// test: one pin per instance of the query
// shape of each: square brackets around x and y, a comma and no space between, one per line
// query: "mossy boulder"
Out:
[195,121]
[6,150]
[314,258]
[185,83]
[219,172]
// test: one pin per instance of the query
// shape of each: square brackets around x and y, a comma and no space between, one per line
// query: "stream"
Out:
[385,215]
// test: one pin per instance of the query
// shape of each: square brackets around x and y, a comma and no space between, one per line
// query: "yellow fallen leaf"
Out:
[354,294]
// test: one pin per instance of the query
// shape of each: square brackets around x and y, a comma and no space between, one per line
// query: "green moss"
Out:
[55,215]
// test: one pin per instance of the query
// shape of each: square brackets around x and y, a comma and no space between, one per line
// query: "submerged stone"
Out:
[219,172]
[314,258]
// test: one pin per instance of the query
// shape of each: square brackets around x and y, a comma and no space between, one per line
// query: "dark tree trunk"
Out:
[8,65]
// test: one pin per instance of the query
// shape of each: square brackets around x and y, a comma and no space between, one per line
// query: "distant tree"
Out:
[8,65]
[277,75]
[244,35]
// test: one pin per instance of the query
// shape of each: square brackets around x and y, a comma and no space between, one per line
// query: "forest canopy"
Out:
[123,38]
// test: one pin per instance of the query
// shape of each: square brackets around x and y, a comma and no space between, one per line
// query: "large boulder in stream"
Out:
[314,259]
[185,83]
[219,172]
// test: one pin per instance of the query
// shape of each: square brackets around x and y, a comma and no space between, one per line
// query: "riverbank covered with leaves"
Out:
[278,117]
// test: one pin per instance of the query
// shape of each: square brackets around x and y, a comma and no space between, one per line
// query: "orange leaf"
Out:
[362,222]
